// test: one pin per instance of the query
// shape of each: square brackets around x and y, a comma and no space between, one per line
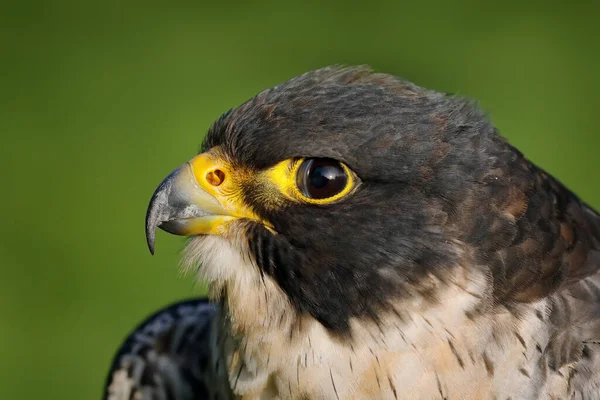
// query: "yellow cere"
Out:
[223,182]
[215,175]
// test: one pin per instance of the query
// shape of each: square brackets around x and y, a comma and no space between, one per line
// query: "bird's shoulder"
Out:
[537,236]
[170,355]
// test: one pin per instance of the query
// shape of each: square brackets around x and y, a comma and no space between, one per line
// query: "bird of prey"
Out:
[366,238]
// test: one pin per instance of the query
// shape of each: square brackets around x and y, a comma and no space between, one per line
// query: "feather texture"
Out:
[457,269]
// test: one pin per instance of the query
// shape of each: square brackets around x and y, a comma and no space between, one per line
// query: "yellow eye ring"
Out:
[283,179]
[321,180]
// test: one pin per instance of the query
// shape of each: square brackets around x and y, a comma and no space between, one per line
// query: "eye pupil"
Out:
[321,178]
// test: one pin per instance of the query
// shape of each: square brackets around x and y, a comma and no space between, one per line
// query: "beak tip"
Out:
[150,238]
[151,245]
[154,213]
[151,223]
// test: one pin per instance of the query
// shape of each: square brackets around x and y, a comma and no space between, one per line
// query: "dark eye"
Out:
[321,178]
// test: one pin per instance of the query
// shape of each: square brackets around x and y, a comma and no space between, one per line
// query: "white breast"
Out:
[420,352]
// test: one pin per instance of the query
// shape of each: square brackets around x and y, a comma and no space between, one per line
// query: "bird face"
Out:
[345,188]
[210,192]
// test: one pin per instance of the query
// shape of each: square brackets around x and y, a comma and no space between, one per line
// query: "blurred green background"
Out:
[100,100]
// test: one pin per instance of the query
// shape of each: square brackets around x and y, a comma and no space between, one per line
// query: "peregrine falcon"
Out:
[366,238]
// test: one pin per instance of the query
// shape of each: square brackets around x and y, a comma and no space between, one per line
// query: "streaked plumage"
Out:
[450,268]
[168,356]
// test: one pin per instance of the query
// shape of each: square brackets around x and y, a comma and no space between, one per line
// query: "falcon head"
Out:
[349,192]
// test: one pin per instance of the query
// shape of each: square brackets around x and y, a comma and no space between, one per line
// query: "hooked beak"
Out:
[189,200]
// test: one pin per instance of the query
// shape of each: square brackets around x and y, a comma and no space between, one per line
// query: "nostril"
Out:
[215,177]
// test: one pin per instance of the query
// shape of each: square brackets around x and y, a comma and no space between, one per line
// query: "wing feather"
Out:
[169,356]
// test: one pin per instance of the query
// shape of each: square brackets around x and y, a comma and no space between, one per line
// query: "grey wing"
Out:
[575,307]
[576,311]
[169,356]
